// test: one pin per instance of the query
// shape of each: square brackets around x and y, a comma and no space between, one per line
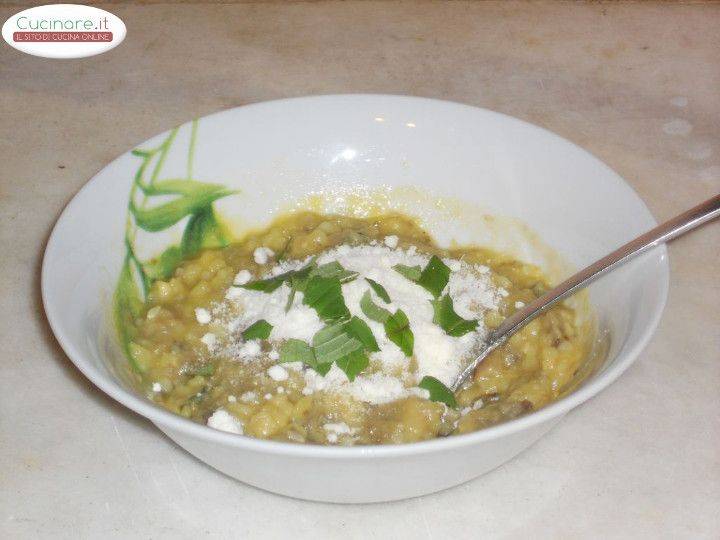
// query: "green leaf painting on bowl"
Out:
[183,198]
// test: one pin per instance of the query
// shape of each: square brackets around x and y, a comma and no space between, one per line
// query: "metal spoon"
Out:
[665,232]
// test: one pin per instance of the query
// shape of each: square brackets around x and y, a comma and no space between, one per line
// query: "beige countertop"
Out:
[635,84]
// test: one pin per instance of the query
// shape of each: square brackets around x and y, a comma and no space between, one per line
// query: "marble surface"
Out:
[635,84]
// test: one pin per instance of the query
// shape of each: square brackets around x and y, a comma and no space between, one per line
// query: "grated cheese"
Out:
[242,277]
[262,255]
[277,373]
[334,430]
[375,388]
[392,375]
[247,307]
[391,241]
[210,340]
[224,421]
[249,350]
[202,315]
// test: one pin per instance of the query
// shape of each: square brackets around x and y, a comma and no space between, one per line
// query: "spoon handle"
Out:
[664,232]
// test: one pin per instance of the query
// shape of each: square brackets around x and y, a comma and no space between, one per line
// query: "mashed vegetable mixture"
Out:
[337,330]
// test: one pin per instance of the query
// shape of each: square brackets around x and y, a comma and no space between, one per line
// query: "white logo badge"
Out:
[63,31]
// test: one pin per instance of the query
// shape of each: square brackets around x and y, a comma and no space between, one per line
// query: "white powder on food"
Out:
[262,255]
[246,307]
[242,277]
[202,315]
[374,388]
[334,430]
[210,340]
[277,373]
[435,353]
[249,350]
[340,428]
[224,421]
[391,241]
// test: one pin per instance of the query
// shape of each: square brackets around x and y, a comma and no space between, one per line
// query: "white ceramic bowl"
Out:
[278,152]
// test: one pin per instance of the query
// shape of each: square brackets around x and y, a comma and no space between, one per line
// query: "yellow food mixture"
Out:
[531,370]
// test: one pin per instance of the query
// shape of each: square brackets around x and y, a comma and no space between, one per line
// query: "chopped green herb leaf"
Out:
[397,329]
[353,363]
[438,391]
[379,290]
[411,272]
[397,326]
[359,329]
[258,330]
[265,285]
[328,333]
[435,276]
[290,300]
[371,310]
[344,343]
[334,270]
[298,281]
[322,369]
[299,278]
[271,284]
[324,295]
[445,317]
[333,342]
[296,350]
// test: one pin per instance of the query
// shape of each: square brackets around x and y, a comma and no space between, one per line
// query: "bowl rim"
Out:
[164,419]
